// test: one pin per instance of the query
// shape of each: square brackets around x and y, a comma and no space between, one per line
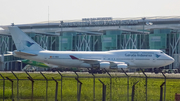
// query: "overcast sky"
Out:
[31,11]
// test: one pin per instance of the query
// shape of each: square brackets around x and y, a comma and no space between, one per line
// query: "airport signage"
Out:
[97,19]
[108,21]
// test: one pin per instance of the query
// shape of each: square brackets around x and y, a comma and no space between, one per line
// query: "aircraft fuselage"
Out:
[134,58]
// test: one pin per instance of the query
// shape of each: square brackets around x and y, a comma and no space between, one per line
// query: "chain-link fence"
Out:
[48,86]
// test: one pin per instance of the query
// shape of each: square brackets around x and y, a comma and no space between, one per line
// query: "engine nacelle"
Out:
[105,65]
[119,66]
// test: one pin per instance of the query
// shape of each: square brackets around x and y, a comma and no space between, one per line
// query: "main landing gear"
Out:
[95,71]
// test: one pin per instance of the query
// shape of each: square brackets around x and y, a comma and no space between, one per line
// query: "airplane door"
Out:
[154,58]
[132,59]
[46,59]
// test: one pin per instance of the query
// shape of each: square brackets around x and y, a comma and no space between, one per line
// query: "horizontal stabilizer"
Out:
[24,53]
[9,52]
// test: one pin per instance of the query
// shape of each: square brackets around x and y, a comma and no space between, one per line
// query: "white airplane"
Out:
[115,59]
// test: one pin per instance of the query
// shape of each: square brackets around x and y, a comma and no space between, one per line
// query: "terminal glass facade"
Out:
[164,34]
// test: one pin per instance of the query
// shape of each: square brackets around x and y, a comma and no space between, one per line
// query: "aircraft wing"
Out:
[95,61]
[24,53]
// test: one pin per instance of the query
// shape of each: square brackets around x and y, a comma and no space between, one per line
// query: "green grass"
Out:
[69,90]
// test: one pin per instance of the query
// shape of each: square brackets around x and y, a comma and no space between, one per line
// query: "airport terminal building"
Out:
[98,34]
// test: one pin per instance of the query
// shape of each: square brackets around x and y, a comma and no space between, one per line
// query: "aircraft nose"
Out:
[170,60]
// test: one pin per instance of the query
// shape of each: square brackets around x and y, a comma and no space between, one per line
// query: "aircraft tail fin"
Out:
[23,41]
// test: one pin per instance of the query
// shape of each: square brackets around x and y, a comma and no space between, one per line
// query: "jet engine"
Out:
[105,65]
[119,66]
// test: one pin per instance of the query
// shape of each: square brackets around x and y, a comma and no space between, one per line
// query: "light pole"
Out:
[143,23]
[143,32]
[61,33]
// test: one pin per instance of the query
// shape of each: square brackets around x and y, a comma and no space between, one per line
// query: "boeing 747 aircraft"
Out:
[114,59]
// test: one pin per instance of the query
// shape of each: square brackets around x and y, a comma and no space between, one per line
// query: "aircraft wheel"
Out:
[99,71]
[178,70]
[175,71]
[169,71]
[90,71]
[53,70]
[156,71]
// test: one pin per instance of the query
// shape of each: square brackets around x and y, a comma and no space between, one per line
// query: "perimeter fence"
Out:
[59,86]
